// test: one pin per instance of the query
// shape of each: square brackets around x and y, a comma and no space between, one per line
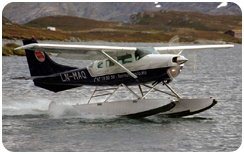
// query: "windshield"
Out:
[141,52]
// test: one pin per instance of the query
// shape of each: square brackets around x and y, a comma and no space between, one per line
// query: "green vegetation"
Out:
[67,23]
[8,49]
[144,27]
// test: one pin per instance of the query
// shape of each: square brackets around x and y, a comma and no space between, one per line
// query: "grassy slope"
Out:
[68,23]
[191,20]
[152,27]
[195,25]
[12,31]
[8,49]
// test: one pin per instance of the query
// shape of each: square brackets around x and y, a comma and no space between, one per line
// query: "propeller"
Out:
[189,62]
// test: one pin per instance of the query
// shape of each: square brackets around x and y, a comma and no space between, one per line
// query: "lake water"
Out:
[27,125]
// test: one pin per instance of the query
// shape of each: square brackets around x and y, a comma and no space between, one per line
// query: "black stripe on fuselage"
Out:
[81,77]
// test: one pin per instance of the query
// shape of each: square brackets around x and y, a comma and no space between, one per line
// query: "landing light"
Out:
[173,70]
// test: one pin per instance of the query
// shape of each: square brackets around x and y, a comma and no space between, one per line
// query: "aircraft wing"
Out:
[179,49]
[91,52]
[80,52]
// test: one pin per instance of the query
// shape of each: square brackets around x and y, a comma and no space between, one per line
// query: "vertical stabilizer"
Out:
[40,64]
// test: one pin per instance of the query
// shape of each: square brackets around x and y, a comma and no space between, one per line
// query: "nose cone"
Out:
[181,60]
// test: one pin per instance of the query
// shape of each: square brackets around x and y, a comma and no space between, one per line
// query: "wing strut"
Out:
[124,68]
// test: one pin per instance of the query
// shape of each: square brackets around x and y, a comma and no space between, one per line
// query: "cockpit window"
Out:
[141,52]
[125,59]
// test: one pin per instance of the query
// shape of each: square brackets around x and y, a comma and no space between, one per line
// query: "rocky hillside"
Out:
[167,20]
[23,12]
[157,26]
[9,23]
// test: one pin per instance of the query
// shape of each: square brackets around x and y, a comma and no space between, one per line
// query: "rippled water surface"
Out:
[27,125]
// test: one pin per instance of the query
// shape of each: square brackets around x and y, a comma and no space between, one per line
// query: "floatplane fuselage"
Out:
[125,66]
[147,68]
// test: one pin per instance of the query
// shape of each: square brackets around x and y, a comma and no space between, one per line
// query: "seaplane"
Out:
[114,67]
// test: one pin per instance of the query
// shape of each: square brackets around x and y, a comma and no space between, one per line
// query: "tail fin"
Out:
[40,64]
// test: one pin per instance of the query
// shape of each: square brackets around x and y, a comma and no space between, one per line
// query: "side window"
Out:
[120,61]
[109,63]
[125,59]
[100,64]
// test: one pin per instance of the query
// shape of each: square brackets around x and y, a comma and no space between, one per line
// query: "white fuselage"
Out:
[150,61]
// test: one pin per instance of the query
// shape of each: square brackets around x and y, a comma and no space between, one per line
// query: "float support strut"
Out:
[164,83]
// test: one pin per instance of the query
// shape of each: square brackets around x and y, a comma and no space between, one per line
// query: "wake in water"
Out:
[57,110]
[24,107]
[46,107]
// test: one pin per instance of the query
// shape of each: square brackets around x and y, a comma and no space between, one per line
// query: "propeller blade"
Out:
[174,41]
[191,63]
